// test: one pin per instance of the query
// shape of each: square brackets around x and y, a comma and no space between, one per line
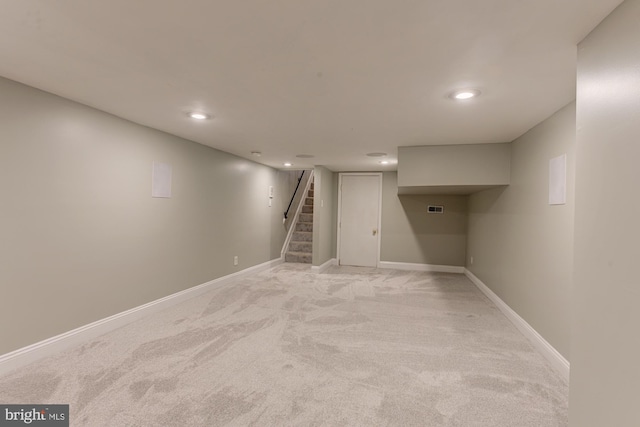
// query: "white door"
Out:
[359,220]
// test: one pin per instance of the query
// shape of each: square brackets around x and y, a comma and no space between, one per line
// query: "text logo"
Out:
[34,415]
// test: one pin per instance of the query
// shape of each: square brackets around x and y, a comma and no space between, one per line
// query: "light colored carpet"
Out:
[287,347]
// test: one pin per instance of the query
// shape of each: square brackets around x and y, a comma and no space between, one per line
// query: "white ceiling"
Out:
[333,78]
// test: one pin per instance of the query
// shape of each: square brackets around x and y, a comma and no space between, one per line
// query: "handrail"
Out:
[294,195]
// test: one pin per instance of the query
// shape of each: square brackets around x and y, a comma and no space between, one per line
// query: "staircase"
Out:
[300,247]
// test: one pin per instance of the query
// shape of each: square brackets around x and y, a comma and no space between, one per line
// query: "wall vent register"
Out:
[432,209]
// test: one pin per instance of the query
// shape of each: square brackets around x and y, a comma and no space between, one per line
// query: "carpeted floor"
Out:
[288,347]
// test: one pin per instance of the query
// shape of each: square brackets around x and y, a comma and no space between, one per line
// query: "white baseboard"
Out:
[23,356]
[323,267]
[421,267]
[558,362]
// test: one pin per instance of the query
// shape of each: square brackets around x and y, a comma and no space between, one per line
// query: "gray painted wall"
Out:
[325,208]
[605,373]
[523,247]
[81,237]
[454,165]
[411,235]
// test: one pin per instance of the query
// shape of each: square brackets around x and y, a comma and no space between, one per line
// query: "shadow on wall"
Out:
[415,236]
[485,203]
[421,222]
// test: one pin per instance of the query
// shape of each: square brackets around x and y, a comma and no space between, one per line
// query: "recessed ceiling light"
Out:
[288,164]
[384,162]
[463,94]
[376,154]
[198,116]
[305,156]
[256,153]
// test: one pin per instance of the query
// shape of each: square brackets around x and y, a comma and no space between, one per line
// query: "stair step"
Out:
[304,226]
[298,257]
[301,244]
[306,217]
[305,247]
[302,236]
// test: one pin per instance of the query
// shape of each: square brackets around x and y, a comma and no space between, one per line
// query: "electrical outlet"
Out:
[235,260]
[471,260]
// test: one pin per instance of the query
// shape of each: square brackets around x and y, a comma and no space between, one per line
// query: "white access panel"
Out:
[558,180]
[161,180]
